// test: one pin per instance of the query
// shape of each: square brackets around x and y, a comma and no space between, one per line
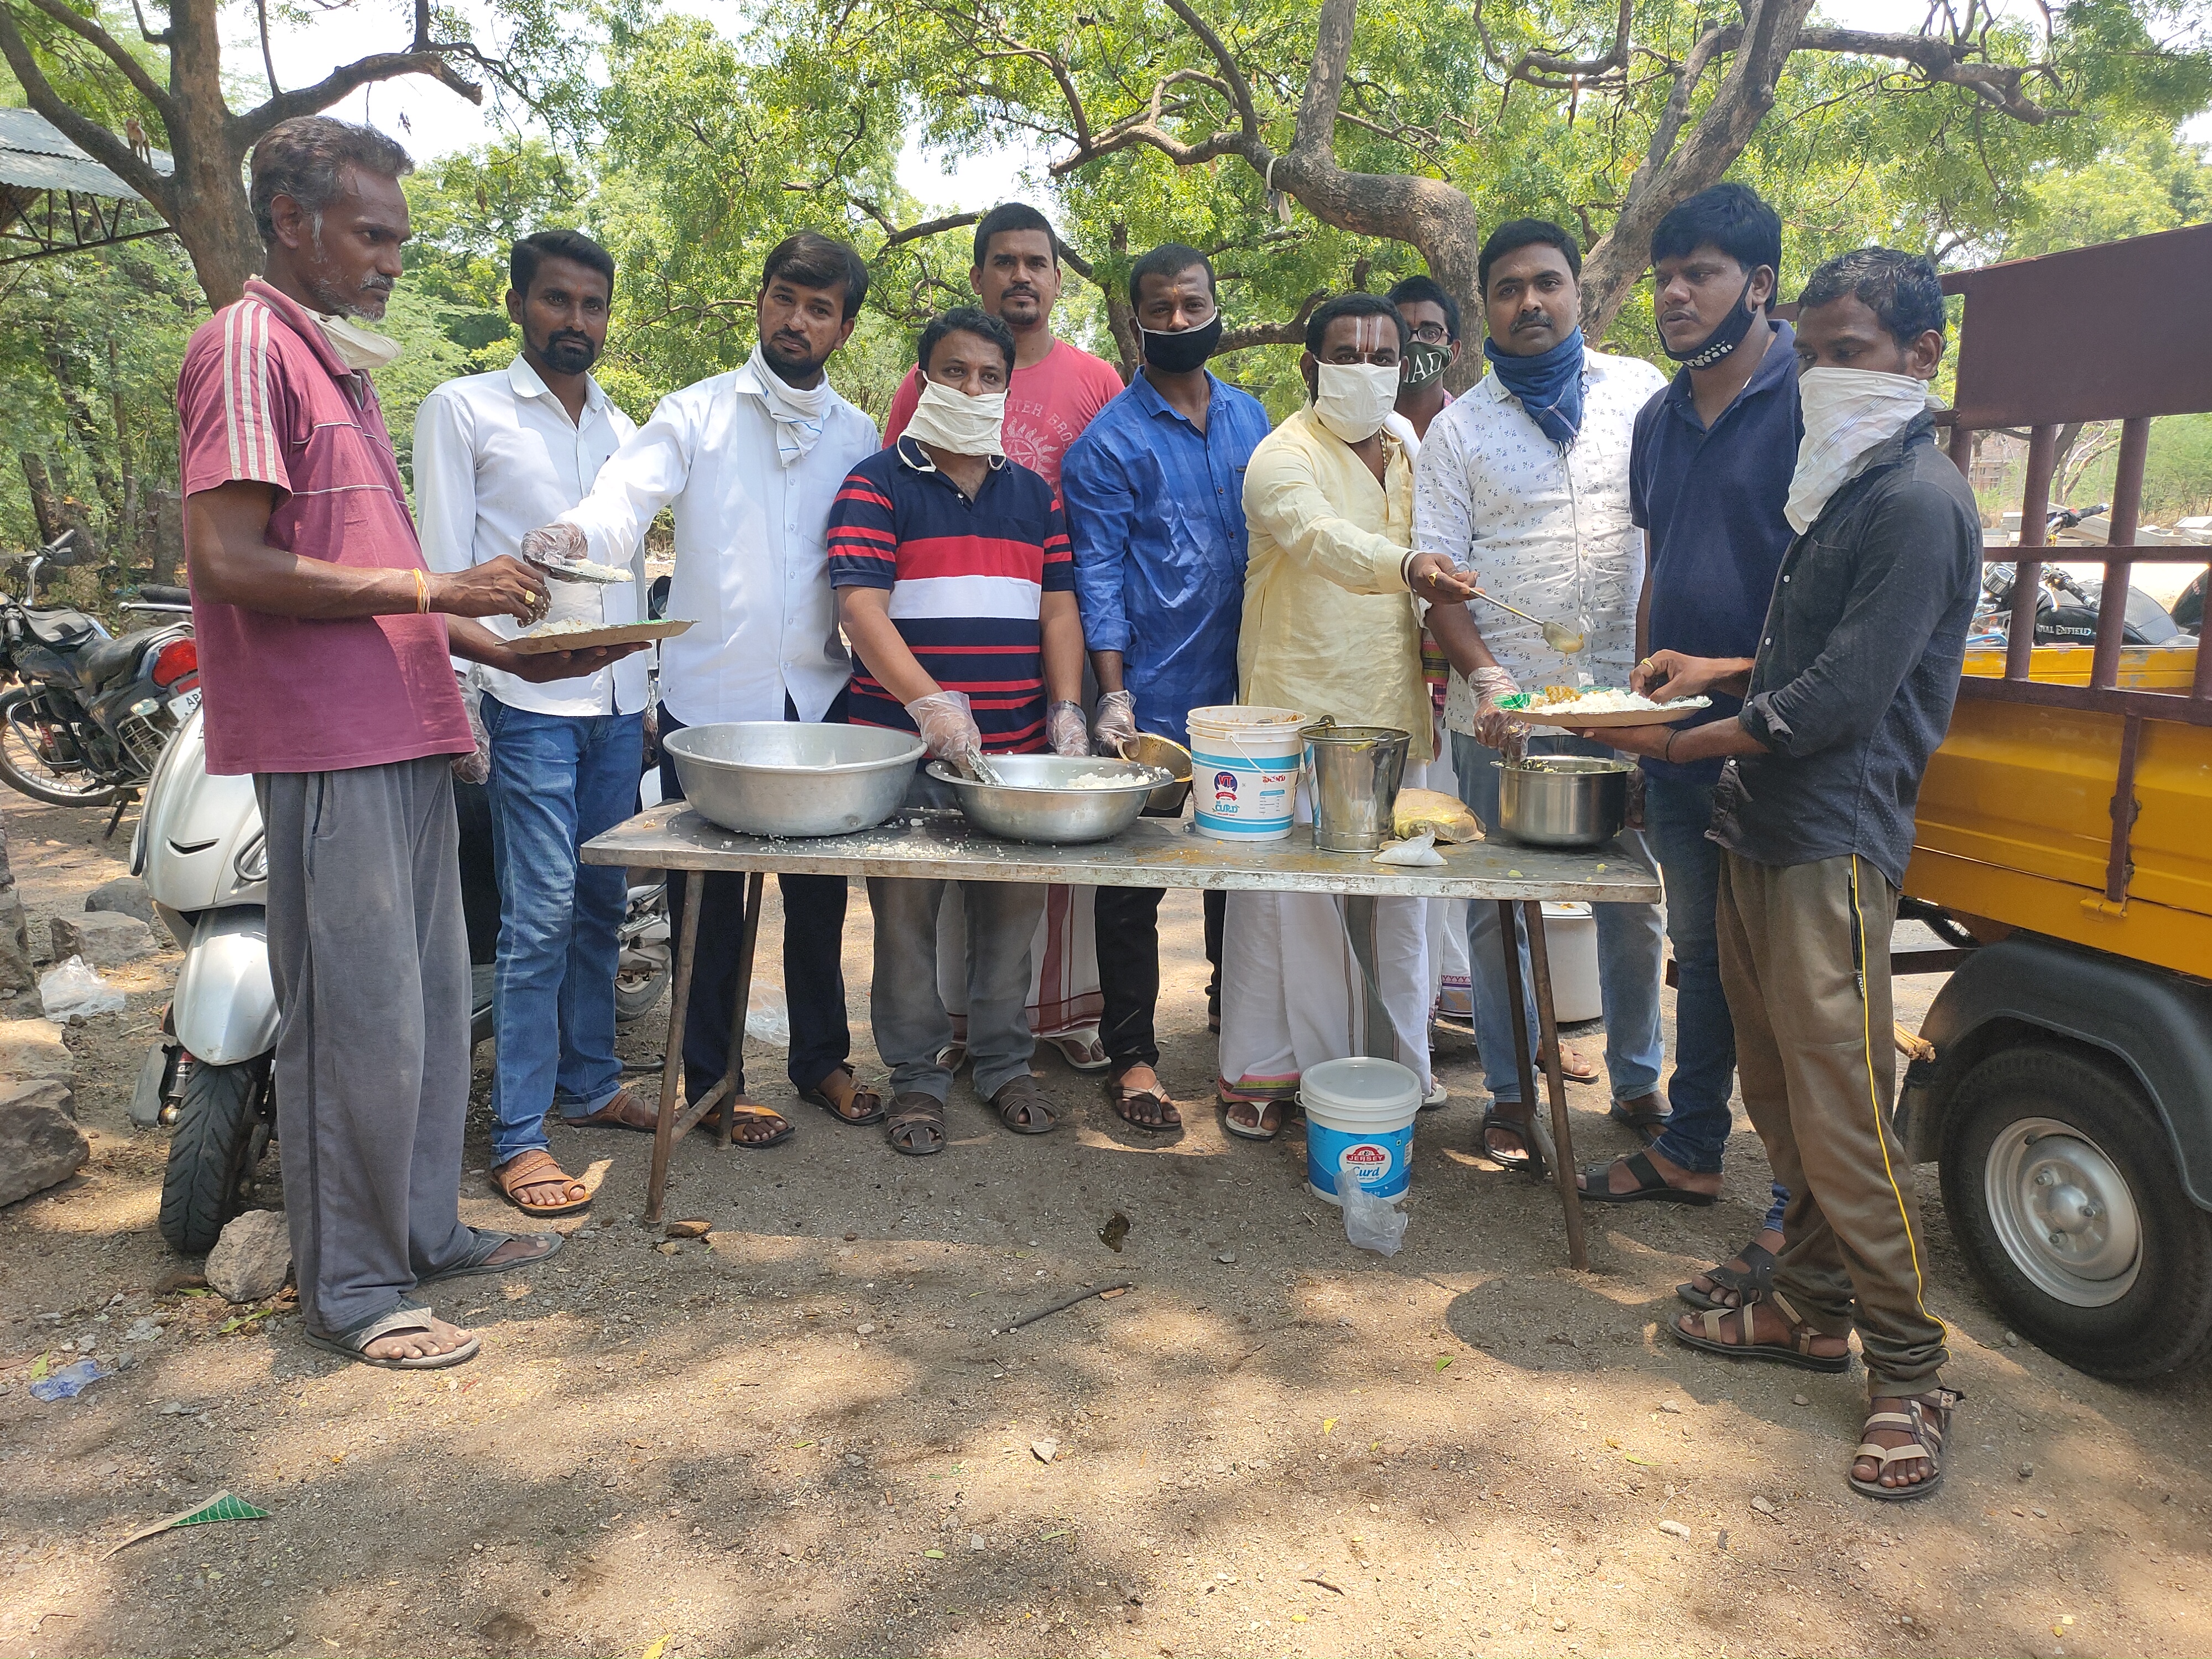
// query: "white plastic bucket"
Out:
[1360,1122]
[1570,941]
[1244,770]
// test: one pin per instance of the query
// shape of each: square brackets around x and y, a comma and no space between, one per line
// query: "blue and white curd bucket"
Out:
[1360,1122]
[1244,771]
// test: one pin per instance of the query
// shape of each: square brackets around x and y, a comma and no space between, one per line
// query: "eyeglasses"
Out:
[1433,334]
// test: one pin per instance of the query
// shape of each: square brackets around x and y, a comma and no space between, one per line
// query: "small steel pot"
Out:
[1562,800]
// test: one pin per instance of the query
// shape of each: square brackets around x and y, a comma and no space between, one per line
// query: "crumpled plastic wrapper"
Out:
[475,767]
[1447,816]
[1419,851]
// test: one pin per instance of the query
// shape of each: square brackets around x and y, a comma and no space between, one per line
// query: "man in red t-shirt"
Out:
[324,660]
[1056,389]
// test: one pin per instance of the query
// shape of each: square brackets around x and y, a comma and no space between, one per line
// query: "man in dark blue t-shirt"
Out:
[1709,475]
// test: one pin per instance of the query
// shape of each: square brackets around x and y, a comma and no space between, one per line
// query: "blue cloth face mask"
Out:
[1548,384]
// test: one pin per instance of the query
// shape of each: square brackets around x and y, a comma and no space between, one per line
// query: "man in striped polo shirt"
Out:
[957,588]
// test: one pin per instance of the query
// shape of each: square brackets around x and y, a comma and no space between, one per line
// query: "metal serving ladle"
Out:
[1562,639]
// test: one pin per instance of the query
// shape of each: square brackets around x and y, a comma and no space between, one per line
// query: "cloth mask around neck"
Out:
[1725,336]
[1848,413]
[953,419]
[799,412]
[1178,351]
[359,348]
[1549,385]
[1353,400]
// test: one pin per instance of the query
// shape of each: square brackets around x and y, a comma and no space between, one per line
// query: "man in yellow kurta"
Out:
[1332,627]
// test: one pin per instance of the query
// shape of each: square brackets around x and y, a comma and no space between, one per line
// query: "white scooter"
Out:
[200,848]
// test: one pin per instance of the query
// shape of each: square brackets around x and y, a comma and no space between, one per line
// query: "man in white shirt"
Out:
[750,461]
[1524,480]
[495,456]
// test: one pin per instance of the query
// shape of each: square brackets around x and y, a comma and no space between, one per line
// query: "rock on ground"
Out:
[54,1091]
[33,1047]
[254,1257]
[106,938]
[40,1143]
[16,972]
[128,895]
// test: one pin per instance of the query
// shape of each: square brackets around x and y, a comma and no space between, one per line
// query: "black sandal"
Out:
[1529,1159]
[916,1124]
[1756,1278]
[1022,1096]
[1651,1187]
[1121,1099]
[1924,1417]
[1648,1125]
[1796,1351]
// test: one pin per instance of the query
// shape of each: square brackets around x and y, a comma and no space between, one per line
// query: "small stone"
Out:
[975,1542]
[669,1248]
[1559,1624]
[851,1238]
[106,938]
[141,1330]
[1763,1505]
[1227,1258]
[176,1408]
[1044,1450]
[1674,1529]
[2026,1470]
[40,1145]
[1674,1406]
[2012,1339]
[867,1329]
[2040,1514]
[694,1228]
[1799,1400]
[252,1259]
[854,1460]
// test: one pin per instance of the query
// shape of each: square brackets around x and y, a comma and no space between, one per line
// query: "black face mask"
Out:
[1425,362]
[1180,352]
[1723,339]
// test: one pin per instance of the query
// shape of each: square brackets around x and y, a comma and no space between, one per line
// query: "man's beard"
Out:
[356,306]
[569,354]
[795,375]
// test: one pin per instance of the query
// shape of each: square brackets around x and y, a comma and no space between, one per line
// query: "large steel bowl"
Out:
[787,778]
[1562,800]
[1026,806]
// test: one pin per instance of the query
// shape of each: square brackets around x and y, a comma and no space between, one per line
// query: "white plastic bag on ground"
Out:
[768,1016]
[72,987]
[1370,1223]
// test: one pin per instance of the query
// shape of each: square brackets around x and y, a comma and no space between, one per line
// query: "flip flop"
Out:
[1083,1054]
[1244,1133]
[1651,1187]
[1120,1097]
[349,1344]
[487,1245]
[1572,1067]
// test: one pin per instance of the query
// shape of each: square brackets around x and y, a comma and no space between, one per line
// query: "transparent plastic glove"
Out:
[1065,731]
[1493,728]
[1115,723]
[552,544]
[946,725]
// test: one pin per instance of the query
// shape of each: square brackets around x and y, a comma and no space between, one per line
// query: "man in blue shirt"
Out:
[1154,493]
[1709,475]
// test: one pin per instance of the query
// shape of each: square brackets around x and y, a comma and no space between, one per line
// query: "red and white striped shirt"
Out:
[263,398]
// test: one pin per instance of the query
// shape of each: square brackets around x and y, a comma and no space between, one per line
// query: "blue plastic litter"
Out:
[69,1381]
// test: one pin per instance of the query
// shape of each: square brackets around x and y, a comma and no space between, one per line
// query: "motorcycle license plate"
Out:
[184,703]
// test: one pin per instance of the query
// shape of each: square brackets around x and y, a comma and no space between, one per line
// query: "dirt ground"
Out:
[807,1433]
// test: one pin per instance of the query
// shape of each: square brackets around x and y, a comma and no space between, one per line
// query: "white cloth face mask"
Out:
[1353,400]
[799,412]
[953,419]
[358,347]
[1848,413]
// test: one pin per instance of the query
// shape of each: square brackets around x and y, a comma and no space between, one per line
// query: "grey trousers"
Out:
[371,964]
[911,1023]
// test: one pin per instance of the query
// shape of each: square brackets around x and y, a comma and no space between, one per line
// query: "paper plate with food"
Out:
[1596,706]
[578,633]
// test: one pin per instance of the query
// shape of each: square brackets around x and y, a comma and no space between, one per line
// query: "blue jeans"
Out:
[1630,955]
[556,780]
[1675,816]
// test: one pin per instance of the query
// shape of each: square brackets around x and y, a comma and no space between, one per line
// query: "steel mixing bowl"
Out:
[1027,806]
[788,777]
[1562,800]
[1150,749]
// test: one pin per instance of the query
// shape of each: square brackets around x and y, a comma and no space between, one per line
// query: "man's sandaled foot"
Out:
[844,1097]
[758,1126]
[1574,1065]
[916,1124]
[1083,1051]
[1900,1456]
[1645,1177]
[408,1339]
[1022,1107]
[625,1111]
[1752,1269]
[1506,1140]
[1646,1114]
[1253,1120]
[1770,1328]
[1140,1102]
[536,1185]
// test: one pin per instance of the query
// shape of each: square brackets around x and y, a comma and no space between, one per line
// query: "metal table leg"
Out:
[1555,1083]
[672,1063]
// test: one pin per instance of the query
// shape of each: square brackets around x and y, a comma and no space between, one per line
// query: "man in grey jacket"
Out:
[1851,692]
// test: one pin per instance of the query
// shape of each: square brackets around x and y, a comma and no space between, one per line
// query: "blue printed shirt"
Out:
[1156,513]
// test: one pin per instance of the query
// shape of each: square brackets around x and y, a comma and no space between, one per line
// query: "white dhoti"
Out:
[1307,977]
[1065,1005]
[1451,985]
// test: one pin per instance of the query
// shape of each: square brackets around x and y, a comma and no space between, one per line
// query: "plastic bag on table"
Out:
[72,987]
[1418,850]
[1370,1223]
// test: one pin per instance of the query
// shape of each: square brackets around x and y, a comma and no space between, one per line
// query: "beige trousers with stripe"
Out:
[1804,957]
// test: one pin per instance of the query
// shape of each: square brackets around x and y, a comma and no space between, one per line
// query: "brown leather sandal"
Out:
[537,1168]
[1709,1337]
[624,1111]
[1021,1096]
[751,1111]
[1925,1417]
[869,1100]
[916,1124]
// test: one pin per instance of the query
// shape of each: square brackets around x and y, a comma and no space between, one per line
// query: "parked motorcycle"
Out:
[85,723]
[201,849]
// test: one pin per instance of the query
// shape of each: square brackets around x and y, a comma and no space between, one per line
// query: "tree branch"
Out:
[1239,89]
[94,140]
[1942,60]
[267,58]
[148,35]
[433,61]
[132,70]
[1292,332]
